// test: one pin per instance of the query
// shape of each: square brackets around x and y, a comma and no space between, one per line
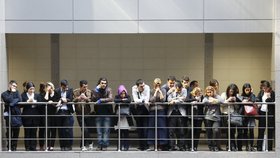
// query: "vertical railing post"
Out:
[119,127]
[266,130]
[10,130]
[46,126]
[83,125]
[192,126]
[156,128]
[229,145]
[1,119]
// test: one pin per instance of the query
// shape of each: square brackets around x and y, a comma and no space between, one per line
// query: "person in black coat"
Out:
[51,96]
[266,95]
[10,98]
[30,115]
[64,112]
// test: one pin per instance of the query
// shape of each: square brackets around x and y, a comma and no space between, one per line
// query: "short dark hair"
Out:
[102,79]
[213,82]
[83,82]
[138,82]
[172,78]
[64,82]
[185,78]
[178,84]
[193,83]
[266,84]
[42,87]
[13,81]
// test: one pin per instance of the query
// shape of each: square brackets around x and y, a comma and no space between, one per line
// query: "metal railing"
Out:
[119,117]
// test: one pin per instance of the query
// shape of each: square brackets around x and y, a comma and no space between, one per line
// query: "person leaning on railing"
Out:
[231,96]
[11,97]
[141,96]
[196,96]
[266,95]
[29,118]
[124,116]
[64,113]
[212,118]
[158,96]
[83,95]
[249,120]
[103,94]
[177,116]
[51,96]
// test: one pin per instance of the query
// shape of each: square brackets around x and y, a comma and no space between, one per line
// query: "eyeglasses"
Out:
[103,83]
[14,85]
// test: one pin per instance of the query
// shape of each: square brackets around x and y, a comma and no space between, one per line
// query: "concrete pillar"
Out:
[55,74]
[3,63]
[208,57]
[276,54]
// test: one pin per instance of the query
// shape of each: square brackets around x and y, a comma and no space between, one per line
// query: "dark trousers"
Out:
[270,131]
[88,121]
[51,130]
[124,136]
[176,129]
[30,133]
[196,131]
[162,132]
[248,133]
[14,135]
[213,133]
[42,131]
[63,123]
[142,124]
[236,143]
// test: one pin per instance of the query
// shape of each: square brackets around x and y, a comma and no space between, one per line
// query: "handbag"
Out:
[236,119]
[251,110]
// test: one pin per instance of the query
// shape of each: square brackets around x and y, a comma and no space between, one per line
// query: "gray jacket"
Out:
[179,98]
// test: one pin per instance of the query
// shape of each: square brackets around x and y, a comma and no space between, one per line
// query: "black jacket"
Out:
[69,97]
[11,99]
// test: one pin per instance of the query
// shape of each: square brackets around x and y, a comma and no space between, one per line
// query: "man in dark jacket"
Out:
[64,112]
[10,98]
[102,94]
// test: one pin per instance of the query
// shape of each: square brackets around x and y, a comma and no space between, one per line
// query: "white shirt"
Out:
[138,97]
[31,97]
[264,106]
[63,95]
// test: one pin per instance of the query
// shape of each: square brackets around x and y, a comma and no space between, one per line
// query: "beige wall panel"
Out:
[240,58]
[29,58]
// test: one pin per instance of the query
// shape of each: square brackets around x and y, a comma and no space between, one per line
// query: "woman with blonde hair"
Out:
[157,96]
[212,118]
[51,96]
[198,116]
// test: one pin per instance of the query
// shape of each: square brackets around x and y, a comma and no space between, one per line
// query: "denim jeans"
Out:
[103,130]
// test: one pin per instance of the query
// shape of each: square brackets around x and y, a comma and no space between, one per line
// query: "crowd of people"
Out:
[173,103]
